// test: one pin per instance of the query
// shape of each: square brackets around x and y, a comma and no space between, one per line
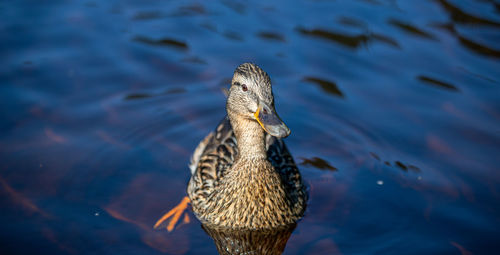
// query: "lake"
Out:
[394,108]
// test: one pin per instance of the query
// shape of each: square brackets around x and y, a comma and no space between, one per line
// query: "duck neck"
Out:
[250,138]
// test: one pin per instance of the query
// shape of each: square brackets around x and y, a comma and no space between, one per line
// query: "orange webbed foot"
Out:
[174,215]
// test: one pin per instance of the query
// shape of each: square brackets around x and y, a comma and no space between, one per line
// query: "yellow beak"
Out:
[271,122]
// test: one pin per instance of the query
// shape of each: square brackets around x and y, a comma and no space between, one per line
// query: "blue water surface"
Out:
[394,108]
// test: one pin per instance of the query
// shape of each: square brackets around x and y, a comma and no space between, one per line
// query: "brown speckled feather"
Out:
[217,152]
[213,156]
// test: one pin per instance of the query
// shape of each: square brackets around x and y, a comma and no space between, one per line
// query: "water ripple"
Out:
[327,86]
[271,36]
[437,83]
[318,163]
[351,41]
[166,42]
[478,48]
[461,17]
[411,29]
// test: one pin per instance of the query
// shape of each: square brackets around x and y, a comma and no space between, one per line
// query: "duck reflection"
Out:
[237,241]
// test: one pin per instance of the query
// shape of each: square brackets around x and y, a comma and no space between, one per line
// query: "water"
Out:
[393,105]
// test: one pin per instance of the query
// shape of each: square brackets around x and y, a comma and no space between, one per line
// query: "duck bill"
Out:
[271,122]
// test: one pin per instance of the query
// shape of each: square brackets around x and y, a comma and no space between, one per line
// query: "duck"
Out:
[242,173]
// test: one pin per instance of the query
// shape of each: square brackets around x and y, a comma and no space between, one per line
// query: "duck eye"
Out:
[244,87]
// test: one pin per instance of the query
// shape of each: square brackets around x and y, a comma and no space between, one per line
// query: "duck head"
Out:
[251,97]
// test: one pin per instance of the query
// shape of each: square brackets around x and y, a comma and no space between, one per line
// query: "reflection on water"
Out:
[478,48]
[439,84]
[272,36]
[230,241]
[327,86]
[161,42]
[394,108]
[347,40]
[461,17]
[134,96]
[318,163]
[352,41]
[410,29]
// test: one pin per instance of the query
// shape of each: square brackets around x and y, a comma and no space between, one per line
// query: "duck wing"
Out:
[210,160]
[282,161]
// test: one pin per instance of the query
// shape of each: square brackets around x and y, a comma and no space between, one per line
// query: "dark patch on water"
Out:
[135,96]
[351,41]
[400,165]
[468,43]
[375,156]
[461,17]
[447,27]
[271,36]
[437,83]
[164,42]
[385,39]
[318,163]
[405,167]
[478,48]
[411,29]
[327,86]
